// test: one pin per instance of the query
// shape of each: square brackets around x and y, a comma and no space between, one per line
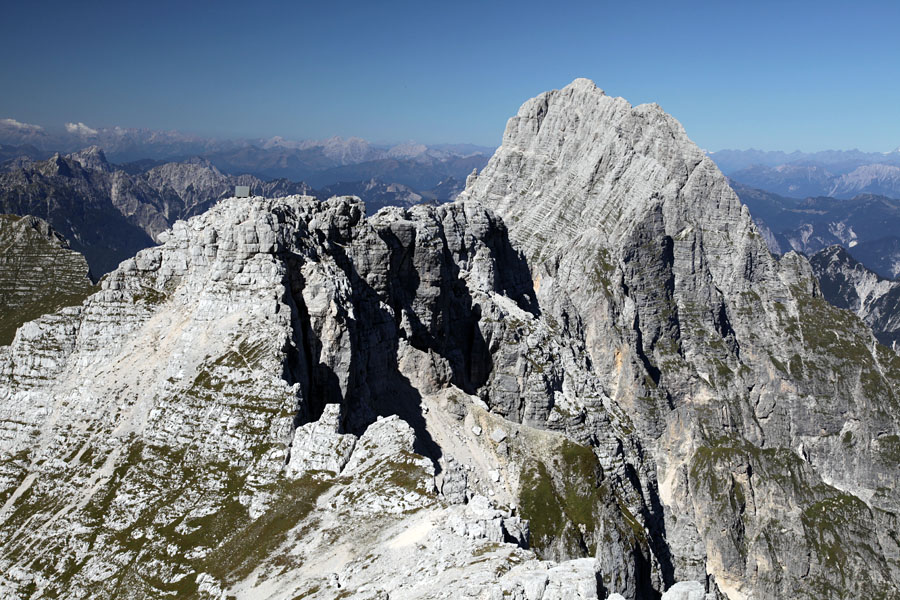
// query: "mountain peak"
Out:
[578,162]
[92,158]
[584,84]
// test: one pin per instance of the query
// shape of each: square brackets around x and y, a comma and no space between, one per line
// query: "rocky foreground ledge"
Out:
[585,377]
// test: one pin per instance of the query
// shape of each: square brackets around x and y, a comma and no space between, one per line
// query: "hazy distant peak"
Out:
[197,160]
[91,157]
[732,161]
[407,150]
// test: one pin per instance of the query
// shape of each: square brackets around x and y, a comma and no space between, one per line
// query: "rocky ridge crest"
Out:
[585,377]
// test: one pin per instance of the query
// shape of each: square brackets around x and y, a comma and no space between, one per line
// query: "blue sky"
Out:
[771,75]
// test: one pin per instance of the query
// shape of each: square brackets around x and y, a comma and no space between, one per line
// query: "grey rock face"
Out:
[686,590]
[715,350]
[656,398]
[250,325]
[38,273]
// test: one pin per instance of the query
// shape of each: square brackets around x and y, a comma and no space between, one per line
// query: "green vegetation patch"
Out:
[240,553]
[13,318]
[563,502]
[825,523]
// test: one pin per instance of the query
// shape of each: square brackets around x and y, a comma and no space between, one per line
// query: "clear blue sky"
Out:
[771,75]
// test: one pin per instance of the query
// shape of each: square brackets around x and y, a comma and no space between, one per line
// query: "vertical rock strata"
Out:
[585,377]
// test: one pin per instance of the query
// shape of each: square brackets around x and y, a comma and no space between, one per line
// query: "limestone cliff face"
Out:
[762,406]
[152,434]
[587,376]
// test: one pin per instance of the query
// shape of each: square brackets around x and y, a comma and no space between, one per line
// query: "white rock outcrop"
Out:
[319,446]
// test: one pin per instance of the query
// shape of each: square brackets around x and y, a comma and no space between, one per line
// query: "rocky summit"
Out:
[587,377]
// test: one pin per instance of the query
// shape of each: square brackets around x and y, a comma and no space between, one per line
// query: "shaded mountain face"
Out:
[419,171]
[377,194]
[796,180]
[585,376]
[9,153]
[413,173]
[77,202]
[446,190]
[847,284]
[881,255]
[109,214]
[39,274]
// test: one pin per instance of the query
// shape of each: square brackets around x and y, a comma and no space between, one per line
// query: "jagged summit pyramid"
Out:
[576,163]
[586,376]
[641,250]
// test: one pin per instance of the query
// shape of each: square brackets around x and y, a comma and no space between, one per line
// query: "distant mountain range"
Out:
[321,162]
[314,165]
[377,194]
[120,144]
[867,225]
[731,161]
[107,213]
[382,175]
[839,174]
